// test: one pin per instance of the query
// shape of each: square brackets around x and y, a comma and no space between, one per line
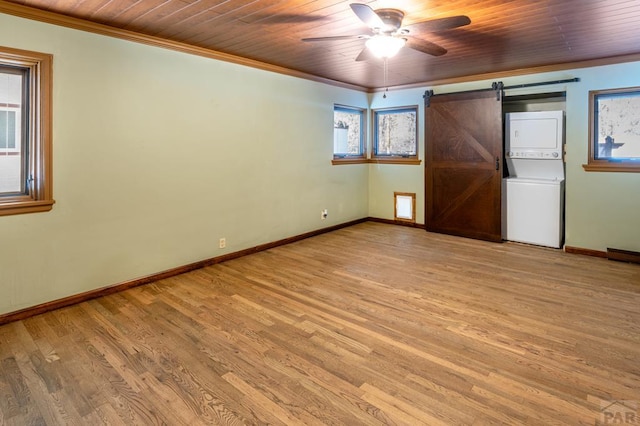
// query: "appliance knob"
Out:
[555,154]
[510,154]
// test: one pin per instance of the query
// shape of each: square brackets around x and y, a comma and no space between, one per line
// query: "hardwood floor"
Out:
[371,324]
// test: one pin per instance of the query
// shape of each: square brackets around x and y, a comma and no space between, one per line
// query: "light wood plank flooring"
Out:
[372,324]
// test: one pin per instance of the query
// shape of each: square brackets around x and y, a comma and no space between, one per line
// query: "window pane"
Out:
[618,126]
[11,139]
[396,132]
[7,129]
[347,131]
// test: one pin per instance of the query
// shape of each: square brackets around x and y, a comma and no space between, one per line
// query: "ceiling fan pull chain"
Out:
[385,72]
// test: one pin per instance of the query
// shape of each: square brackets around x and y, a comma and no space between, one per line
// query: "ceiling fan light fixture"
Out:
[384,46]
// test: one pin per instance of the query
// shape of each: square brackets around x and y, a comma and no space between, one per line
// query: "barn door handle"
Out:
[497,163]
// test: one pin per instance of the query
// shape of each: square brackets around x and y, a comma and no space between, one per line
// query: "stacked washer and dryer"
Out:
[533,192]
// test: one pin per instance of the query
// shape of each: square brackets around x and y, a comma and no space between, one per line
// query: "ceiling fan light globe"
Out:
[385,46]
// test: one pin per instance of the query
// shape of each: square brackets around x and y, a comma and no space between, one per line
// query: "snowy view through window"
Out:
[618,126]
[396,132]
[347,134]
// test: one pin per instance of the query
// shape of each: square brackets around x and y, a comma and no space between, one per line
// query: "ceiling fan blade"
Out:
[365,55]
[332,38]
[440,24]
[367,15]
[425,46]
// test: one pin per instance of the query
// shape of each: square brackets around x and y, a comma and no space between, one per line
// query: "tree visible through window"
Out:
[25,132]
[396,132]
[618,126]
[614,135]
[348,132]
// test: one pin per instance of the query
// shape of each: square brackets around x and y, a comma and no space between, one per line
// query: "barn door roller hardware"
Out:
[427,98]
[496,86]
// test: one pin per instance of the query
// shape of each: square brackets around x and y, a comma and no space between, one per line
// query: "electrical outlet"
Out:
[323,214]
[223,242]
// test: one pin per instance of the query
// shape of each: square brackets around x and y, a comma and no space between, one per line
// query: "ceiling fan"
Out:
[387,35]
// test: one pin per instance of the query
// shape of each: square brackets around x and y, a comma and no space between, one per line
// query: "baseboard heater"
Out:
[623,255]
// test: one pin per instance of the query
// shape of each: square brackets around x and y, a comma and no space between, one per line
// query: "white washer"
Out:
[534,210]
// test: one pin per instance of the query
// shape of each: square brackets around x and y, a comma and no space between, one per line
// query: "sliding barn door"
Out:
[463,165]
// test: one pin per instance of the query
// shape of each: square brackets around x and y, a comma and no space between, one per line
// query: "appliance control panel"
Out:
[541,155]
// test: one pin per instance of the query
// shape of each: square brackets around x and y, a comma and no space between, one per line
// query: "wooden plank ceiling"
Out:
[502,36]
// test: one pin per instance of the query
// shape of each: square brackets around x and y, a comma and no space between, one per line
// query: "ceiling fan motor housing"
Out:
[392,19]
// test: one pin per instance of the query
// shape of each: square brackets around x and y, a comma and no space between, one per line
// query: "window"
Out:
[614,130]
[348,135]
[25,132]
[396,135]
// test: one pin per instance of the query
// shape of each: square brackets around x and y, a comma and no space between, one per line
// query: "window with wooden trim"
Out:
[395,135]
[348,135]
[614,130]
[25,132]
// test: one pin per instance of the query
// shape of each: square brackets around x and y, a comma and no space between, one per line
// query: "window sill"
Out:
[611,166]
[396,160]
[349,160]
[8,209]
[377,160]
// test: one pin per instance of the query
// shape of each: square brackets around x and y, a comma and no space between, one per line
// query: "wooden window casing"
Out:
[608,164]
[37,195]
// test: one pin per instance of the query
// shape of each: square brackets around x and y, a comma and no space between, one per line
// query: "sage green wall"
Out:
[602,209]
[158,154]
